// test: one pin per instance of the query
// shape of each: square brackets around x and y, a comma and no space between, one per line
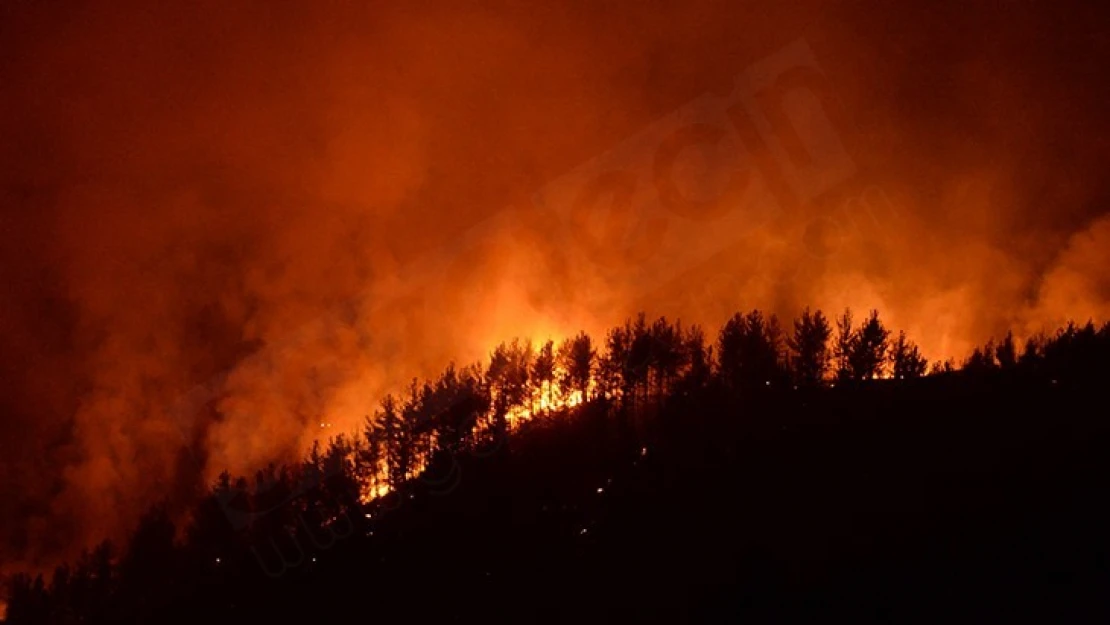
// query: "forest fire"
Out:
[638,362]
[549,398]
[544,401]
[225,244]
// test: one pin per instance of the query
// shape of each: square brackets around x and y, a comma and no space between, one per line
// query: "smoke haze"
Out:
[296,207]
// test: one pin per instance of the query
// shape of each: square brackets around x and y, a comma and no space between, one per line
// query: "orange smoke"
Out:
[226,223]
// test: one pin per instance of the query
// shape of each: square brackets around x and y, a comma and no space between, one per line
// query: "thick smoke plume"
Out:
[227,224]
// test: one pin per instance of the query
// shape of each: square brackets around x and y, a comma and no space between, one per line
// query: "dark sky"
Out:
[184,186]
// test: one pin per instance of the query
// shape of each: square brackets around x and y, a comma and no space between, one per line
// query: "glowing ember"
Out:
[548,400]
[544,401]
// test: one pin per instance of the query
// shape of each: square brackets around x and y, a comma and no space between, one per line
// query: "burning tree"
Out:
[576,357]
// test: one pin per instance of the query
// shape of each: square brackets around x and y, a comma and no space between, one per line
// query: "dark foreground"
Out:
[941,500]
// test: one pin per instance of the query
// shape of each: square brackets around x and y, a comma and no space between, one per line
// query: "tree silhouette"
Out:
[750,349]
[340,485]
[28,600]
[95,582]
[668,356]
[618,377]
[730,349]
[638,367]
[418,424]
[508,373]
[370,455]
[147,572]
[846,339]
[273,512]
[397,437]
[809,348]
[215,544]
[577,357]
[243,535]
[869,347]
[906,360]
[1075,352]
[459,402]
[699,359]
[942,367]
[981,359]
[1006,352]
[543,373]
[1032,354]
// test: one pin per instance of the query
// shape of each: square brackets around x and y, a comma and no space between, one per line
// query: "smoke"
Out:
[1076,287]
[227,225]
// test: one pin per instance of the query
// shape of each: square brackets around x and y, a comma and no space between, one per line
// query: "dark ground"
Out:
[941,500]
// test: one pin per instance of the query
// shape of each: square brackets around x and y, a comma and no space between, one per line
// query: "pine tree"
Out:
[846,339]
[869,349]
[543,373]
[1006,352]
[809,347]
[906,360]
[577,359]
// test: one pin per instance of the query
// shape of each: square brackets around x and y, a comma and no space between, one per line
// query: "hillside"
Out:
[660,481]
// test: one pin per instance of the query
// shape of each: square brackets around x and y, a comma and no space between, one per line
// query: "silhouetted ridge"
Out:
[650,473]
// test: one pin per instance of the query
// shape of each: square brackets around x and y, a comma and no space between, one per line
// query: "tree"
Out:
[846,339]
[397,440]
[507,375]
[370,457]
[149,568]
[750,349]
[981,359]
[1006,352]
[809,348]
[543,373]
[1033,353]
[576,357]
[730,347]
[640,352]
[617,373]
[668,354]
[97,567]
[340,486]
[28,601]
[459,401]
[942,367]
[417,414]
[772,350]
[906,360]
[1073,353]
[699,358]
[869,349]
[212,538]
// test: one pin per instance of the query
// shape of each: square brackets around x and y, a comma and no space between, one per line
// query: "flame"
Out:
[376,485]
[549,400]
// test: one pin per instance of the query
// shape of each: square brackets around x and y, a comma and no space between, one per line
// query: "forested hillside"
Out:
[817,469]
